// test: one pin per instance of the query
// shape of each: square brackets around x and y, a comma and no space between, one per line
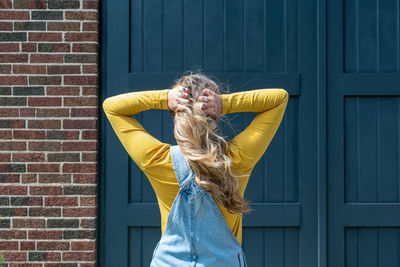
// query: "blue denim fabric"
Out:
[196,233]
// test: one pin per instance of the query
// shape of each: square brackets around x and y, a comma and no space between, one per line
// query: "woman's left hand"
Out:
[176,99]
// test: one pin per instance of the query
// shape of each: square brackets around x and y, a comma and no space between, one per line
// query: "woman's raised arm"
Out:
[247,147]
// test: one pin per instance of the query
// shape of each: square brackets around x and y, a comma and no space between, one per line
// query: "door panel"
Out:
[363,133]
[248,45]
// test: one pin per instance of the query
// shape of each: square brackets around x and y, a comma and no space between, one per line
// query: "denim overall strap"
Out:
[182,168]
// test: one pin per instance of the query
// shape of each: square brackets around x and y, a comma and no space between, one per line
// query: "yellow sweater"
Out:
[153,156]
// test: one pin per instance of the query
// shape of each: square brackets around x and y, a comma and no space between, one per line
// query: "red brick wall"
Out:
[48,132]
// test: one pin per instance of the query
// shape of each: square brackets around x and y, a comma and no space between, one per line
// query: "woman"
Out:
[200,182]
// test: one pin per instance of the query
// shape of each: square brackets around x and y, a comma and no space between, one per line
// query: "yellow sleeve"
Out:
[247,147]
[145,150]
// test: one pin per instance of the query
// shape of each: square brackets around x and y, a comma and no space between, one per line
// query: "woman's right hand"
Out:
[213,106]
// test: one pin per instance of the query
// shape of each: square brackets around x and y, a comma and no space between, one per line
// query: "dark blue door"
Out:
[248,44]
[363,88]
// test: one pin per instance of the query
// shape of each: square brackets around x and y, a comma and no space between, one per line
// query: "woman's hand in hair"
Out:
[213,106]
[176,100]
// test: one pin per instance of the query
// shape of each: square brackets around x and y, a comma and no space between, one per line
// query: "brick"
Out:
[12,36]
[63,157]
[79,234]
[44,101]
[12,145]
[54,178]
[30,4]
[79,146]
[81,101]
[83,245]
[44,124]
[29,47]
[62,135]
[29,134]
[89,135]
[8,112]
[80,256]
[79,212]
[61,201]
[44,256]
[63,90]
[41,167]
[4,201]
[13,212]
[45,212]
[29,223]
[29,26]
[9,47]
[65,69]
[85,178]
[44,146]
[27,112]
[5,90]
[5,134]
[89,157]
[28,157]
[6,26]
[14,80]
[90,26]
[78,167]
[88,48]
[13,101]
[63,26]
[5,4]
[84,112]
[12,234]
[13,190]
[5,157]
[53,47]
[5,223]
[52,112]
[44,80]
[45,190]
[79,124]
[79,190]
[45,234]
[14,58]
[29,90]
[45,36]
[66,265]
[33,69]
[81,58]
[52,245]
[27,245]
[26,201]
[28,178]
[14,15]
[88,201]
[12,123]
[8,245]
[63,223]
[81,15]
[46,58]
[89,69]
[81,37]
[47,15]
[5,69]
[63,4]
[9,178]
[88,223]
[90,4]
[12,168]
[14,256]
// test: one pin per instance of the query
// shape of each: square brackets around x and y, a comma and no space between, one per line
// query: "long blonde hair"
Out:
[204,149]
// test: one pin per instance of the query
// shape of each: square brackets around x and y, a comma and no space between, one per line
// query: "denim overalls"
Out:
[196,233]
